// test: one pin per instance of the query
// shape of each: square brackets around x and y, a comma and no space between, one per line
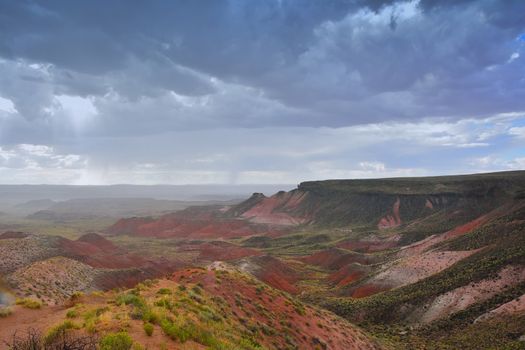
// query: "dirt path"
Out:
[22,319]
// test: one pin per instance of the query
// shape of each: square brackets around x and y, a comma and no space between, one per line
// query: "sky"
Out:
[258,92]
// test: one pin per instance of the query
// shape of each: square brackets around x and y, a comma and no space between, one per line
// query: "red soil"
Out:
[347,274]
[276,273]
[335,259]
[129,225]
[97,241]
[368,290]
[130,277]
[96,251]
[278,281]
[219,251]
[195,224]
[368,246]
[22,319]
[469,226]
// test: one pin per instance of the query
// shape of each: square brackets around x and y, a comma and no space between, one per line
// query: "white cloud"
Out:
[38,157]
[6,105]
[344,90]
[517,131]
[513,57]
[495,163]
[374,166]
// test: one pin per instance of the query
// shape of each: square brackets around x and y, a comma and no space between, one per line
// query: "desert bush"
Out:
[148,328]
[116,341]
[138,346]
[165,303]
[150,316]
[130,299]
[5,311]
[29,303]
[58,331]
[173,331]
[33,340]
[190,331]
[72,313]
[91,319]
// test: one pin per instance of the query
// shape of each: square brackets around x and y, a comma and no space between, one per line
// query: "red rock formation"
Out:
[391,220]
[276,209]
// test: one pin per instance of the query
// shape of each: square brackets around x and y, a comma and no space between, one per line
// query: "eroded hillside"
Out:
[406,259]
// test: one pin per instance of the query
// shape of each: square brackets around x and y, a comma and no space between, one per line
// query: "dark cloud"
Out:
[300,53]
[86,73]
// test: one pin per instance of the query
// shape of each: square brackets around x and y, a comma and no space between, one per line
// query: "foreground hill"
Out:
[215,308]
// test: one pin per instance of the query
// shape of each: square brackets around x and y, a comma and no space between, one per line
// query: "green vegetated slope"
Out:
[499,243]
[481,217]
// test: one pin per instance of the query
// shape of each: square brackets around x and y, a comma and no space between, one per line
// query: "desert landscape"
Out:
[262,175]
[315,267]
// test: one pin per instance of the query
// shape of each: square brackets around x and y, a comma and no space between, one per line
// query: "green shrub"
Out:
[138,346]
[91,319]
[165,303]
[190,331]
[72,313]
[150,316]
[173,331]
[116,341]
[130,299]
[164,291]
[148,328]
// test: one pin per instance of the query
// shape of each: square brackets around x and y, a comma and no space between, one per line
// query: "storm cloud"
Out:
[270,91]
